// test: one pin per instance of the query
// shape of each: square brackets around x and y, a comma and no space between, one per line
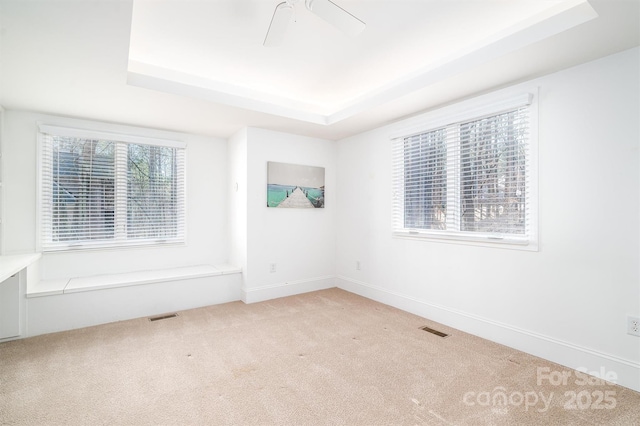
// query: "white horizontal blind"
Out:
[424,157]
[465,180]
[155,203]
[105,193]
[493,174]
[78,190]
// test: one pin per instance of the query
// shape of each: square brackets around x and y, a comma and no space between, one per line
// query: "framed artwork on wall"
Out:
[295,186]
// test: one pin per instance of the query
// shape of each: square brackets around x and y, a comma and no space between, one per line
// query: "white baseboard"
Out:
[289,288]
[60,312]
[555,350]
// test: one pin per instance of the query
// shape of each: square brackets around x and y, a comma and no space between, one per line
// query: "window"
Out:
[468,177]
[105,190]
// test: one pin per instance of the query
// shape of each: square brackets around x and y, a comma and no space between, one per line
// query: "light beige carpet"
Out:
[322,358]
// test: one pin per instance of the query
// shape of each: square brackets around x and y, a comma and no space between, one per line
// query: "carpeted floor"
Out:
[322,358]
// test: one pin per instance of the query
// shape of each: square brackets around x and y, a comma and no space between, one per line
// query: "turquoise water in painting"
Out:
[315,195]
[278,193]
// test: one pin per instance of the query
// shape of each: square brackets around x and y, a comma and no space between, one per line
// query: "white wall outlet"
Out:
[272,267]
[357,265]
[633,325]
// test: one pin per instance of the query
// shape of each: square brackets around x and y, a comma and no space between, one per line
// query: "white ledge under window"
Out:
[502,241]
[101,282]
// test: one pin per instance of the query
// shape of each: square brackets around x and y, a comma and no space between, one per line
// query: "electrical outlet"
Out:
[357,265]
[633,325]
[272,267]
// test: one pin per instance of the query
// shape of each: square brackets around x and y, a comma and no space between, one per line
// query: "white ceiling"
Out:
[200,67]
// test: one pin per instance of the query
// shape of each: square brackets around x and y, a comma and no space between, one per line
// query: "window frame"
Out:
[452,116]
[120,135]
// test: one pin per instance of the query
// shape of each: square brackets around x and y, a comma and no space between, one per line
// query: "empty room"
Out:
[306,212]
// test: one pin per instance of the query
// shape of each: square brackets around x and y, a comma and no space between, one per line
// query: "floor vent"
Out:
[164,316]
[436,332]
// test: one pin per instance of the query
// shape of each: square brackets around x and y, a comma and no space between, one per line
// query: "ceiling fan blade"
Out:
[278,26]
[336,16]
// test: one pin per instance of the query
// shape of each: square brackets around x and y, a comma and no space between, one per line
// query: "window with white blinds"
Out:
[468,179]
[109,190]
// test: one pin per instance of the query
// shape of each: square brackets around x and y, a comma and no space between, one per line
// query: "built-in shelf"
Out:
[11,265]
[12,285]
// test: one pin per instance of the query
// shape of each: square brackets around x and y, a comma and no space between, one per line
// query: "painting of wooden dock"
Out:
[295,186]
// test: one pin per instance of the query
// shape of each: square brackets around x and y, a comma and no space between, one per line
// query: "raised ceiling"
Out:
[319,72]
[200,67]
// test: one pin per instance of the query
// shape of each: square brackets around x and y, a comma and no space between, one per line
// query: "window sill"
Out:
[468,240]
[111,247]
[101,282]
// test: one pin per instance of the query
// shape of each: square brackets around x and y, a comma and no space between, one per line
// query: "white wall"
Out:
[237,199]
[2,172]
[301,242]
[567,302]
[206,203]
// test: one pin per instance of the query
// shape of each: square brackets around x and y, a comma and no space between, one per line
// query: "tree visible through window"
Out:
[493,179]
[467,179]
[425,160]
[82,187]
[99,192]
[152,192]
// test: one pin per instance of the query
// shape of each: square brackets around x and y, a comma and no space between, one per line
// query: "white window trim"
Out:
[469,110]
[106,135]
[98,130]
